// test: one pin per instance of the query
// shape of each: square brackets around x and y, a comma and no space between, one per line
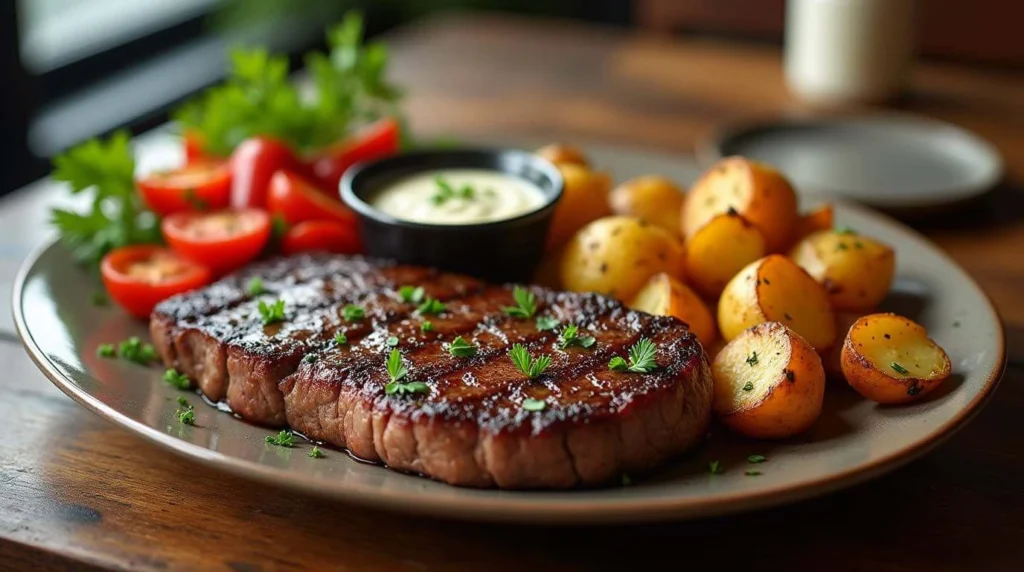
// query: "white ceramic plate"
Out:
[853,441]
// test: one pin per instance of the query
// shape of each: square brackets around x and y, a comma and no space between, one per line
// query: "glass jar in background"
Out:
[848,51]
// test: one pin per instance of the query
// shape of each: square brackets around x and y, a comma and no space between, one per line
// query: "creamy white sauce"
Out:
[492,196]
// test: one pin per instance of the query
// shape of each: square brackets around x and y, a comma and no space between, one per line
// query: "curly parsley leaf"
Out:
[284,439]
[570,336]
[641,358]
[179,380]
[271,313]
[531,367]
[526,303]
[134,350]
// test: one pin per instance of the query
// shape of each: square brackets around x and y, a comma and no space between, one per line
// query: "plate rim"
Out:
[535,509]
[709,149]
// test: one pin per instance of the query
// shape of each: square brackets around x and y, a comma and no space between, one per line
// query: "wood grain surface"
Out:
[79,494]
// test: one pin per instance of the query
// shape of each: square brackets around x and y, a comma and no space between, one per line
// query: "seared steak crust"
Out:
[471,428]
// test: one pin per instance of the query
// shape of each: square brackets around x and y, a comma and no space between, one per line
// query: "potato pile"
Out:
[776,298]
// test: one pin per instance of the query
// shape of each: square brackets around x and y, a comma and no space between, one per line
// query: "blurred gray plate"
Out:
[894,162]
[854,439]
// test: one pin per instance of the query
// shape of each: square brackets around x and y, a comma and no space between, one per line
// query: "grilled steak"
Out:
[471,428]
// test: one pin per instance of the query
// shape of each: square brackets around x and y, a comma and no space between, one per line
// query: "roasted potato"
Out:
[755,190]
[616,255]
[775,289]
[584,200]
[653,198]
[560,154]
[663,295]
[769,383]
[890,359]
[855,270]
[719,250]
[821,218]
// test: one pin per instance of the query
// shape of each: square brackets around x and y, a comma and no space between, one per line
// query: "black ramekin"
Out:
[501,251]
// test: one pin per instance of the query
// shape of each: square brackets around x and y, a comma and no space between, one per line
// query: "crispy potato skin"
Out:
[719,250]
[821,218]
[775,289]
[654,198]
[616,255]
[584,200]
[788,383]
[855,270]
[561,154]
[758,192]
[663,295]
[877,339]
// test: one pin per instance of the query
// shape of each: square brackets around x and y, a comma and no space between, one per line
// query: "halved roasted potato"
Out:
[755,190]
[584,200]
[775,289]
[856,271]
[561,154]
[654,198]
[616,255]
[663,295]
[769,383]
[719,250]
[890,359]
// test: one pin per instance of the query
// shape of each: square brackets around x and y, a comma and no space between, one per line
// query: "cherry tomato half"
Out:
[196,186]
[254,161]
[323,235]
[375,141]
[139,277]
[296,200]
[221,240]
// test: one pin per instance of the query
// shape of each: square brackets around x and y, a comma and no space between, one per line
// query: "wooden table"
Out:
[77,493]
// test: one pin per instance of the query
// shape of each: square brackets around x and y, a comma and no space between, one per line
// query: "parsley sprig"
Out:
[348,85]
[530,366]
[116,216]
[570,336]
[272,312]
[353,313]
[526,303]
[255,286]
[641,358]
[461,348]
[398,371]
[411,294]
[179,380]
[284,439]
[134,350]
[431,306]
[446,192]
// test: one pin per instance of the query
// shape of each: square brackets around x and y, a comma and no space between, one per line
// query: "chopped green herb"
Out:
[187,417]
[402,388]
[106,351]
[134,350]
[641,358]
[715,468]
[100,299]
[427,326]
[756,459]
[446,192]
[255,286]
[752,359]
[411,294]
[278,227]
[461,348]
[271,313]
[431,306]
[899,368]
[858,245]
[531,404]
[340,338]
[749,386]
[527,364]
[842,246]
[183,402]
[570,337]
[283,439]
[316,453]
[176,379]
[752,473]
[526,303]
[395,366]
[352,313]
[309,358]
[545,323]
[845,230]
[392,341]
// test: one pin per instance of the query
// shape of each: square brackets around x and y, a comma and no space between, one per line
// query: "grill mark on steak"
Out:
[471,428]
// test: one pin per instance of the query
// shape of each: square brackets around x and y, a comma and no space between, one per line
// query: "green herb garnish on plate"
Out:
[641,358]
[526,303]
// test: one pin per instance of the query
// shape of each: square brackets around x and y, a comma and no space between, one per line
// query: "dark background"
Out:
[74,69]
